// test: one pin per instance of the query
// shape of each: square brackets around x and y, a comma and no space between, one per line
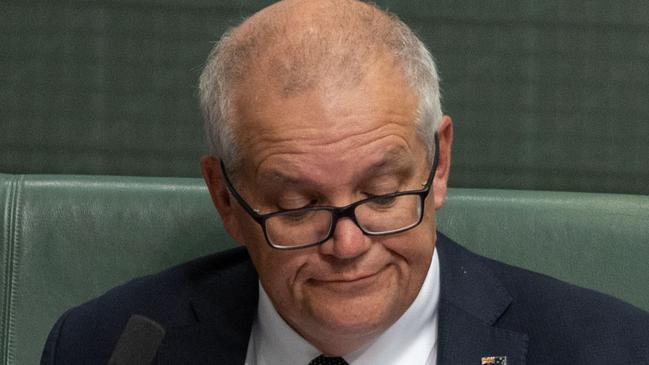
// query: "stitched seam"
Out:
[9,211]
[18,211]
[8,234]
[12,264]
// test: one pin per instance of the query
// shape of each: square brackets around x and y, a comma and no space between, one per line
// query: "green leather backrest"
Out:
[599,241]
[66,239]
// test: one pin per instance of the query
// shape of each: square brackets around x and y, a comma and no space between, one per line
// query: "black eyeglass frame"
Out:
[337,213]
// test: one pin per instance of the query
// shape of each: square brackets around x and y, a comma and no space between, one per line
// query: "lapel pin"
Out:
[494,360]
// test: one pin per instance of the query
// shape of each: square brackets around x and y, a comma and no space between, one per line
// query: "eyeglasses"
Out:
[375,216]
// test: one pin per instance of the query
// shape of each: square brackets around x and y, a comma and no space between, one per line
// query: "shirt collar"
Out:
[412,339]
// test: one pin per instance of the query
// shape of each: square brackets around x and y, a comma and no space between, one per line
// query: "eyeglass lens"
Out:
[382,215]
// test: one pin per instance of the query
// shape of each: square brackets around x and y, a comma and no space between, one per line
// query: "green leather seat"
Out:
[66,239]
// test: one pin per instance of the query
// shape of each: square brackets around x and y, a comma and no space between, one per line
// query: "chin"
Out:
[354,318]
[340,330]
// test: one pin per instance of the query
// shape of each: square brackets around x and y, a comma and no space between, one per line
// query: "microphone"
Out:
[138,343]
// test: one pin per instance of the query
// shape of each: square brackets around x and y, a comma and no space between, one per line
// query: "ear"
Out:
[225,205]
[445,135]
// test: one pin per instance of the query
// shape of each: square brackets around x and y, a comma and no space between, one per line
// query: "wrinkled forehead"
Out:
[329,125]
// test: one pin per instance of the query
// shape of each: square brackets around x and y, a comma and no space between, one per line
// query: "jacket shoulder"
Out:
[88,333]
[564,321]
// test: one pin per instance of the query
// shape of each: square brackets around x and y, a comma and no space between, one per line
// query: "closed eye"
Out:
[307,205]
[384,199]
[296,216]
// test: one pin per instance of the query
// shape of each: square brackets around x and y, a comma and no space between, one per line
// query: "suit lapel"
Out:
[224,307]
[471,301]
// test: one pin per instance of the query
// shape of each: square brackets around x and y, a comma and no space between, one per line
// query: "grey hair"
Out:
[229,58]
[216,99]
[421,73]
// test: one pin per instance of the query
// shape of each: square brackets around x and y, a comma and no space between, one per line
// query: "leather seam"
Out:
[13,226]
[6,261]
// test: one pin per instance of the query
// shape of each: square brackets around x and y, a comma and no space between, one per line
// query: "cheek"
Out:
[249,232]
[278,272]
[277,269]
[413,250]
[428,221]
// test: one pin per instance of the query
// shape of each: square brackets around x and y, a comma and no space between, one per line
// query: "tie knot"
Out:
[324,360]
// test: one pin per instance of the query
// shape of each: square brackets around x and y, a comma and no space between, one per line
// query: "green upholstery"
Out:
[66,239]
[599,241]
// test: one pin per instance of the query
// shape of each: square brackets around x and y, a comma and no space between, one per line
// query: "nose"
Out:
[348,241]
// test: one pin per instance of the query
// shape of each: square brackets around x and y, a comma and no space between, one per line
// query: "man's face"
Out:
[334,148]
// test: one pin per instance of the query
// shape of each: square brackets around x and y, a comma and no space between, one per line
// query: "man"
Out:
[329,158]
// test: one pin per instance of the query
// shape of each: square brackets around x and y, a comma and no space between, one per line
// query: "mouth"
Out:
[349,282]
[352,278]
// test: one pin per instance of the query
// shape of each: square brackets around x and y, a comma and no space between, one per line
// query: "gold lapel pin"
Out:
[494,360]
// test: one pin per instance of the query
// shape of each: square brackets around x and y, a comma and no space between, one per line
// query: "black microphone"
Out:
[138,343]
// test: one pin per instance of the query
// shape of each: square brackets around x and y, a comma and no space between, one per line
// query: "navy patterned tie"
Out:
[323,360]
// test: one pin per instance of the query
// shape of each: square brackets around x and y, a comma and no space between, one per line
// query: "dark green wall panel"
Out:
[545,94]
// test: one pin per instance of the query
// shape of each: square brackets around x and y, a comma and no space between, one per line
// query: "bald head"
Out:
[296,46]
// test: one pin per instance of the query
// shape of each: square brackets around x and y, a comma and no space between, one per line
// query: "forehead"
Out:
[327,123]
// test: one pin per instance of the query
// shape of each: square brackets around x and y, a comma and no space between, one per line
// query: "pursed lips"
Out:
[347,278]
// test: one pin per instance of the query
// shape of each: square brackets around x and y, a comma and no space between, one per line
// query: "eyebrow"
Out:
[393,159]
[276,175]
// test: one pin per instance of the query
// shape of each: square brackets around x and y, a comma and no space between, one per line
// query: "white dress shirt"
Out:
[411,340]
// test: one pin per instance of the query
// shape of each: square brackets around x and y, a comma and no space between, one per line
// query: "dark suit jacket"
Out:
[486,309]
